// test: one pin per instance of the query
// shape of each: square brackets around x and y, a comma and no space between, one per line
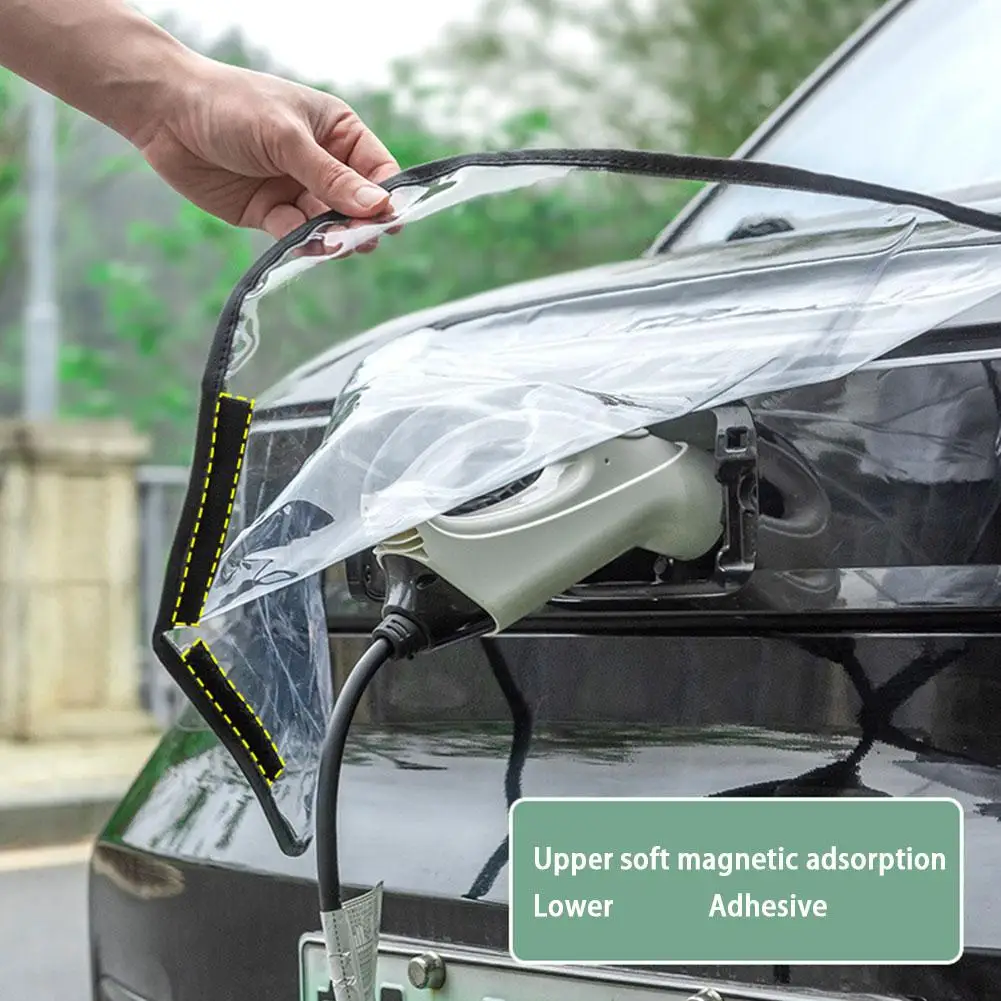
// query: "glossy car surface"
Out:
[886,511]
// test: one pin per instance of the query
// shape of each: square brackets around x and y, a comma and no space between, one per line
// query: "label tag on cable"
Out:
[351,935]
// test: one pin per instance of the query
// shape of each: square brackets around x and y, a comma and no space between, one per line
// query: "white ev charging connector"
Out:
[512,556]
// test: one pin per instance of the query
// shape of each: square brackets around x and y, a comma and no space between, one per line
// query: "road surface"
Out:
[43,925]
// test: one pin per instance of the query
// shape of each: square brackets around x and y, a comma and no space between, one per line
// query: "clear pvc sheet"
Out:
[432,413]
[437,417]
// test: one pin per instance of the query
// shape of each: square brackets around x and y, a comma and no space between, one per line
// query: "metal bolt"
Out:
[706,994]
[427,971]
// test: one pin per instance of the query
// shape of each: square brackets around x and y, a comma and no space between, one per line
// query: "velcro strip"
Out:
[226,702]
[227,446]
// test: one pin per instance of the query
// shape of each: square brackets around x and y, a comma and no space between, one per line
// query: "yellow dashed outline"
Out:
[215,563]
[201,507]
[225,716]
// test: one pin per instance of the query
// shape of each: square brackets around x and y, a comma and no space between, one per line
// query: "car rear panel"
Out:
[192,899]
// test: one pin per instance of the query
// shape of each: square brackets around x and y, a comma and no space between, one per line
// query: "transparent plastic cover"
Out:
[433,410]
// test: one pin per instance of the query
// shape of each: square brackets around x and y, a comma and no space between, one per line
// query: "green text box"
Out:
[639,897]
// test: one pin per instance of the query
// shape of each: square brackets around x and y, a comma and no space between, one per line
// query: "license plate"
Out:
[478,975]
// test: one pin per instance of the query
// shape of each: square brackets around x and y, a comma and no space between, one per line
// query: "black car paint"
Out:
[191,898]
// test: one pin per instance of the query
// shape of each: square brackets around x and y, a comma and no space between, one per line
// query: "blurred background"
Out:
[116,284]
[139,276]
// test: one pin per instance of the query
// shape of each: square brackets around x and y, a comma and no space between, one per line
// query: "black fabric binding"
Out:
[227,443]
[244,734]
[216,466]
[176,663]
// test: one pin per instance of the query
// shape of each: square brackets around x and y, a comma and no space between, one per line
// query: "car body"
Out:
[886,497]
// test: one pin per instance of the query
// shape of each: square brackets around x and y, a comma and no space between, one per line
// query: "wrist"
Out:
[103,57]
[170,82]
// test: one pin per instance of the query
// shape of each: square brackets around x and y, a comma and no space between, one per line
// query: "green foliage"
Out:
[160,297]
[697,75]
[741,60]
[158,302]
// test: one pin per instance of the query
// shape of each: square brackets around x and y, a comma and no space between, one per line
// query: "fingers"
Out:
[352,142]
[339,170]
[329,180]
[313,207]
[310,205]
[281,220]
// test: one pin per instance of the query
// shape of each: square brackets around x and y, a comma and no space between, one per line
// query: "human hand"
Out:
[262,152]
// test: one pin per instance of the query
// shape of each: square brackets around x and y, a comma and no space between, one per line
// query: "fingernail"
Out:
[369,196]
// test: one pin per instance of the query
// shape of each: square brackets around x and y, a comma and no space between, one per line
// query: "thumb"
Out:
[326,178]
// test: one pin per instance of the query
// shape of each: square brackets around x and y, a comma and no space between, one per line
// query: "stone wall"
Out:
[69,580]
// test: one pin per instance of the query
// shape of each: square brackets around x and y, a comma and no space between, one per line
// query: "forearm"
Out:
[100,56]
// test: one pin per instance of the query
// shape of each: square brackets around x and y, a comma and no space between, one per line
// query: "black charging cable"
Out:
[395,638]
[421,611]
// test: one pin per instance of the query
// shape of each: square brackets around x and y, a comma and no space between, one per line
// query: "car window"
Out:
[912,108]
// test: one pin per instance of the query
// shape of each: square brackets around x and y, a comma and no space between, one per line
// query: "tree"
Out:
[741,60]
[697,75]
[158,303]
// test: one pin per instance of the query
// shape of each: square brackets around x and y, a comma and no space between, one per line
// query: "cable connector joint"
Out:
[403,634]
